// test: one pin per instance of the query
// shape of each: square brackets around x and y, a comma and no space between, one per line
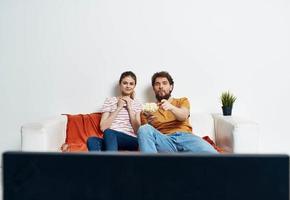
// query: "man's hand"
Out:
[166,105]
[181,113]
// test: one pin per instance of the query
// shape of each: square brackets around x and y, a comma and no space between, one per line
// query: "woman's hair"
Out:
[128,73]
[162,74]
[133,76]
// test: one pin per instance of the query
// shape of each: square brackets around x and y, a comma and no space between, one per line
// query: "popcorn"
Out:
[150,107]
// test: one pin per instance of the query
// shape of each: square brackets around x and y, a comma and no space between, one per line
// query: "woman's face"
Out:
[127,86]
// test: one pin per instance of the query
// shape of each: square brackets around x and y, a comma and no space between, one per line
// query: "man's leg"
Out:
[95,144]
[187,142]
[152,141]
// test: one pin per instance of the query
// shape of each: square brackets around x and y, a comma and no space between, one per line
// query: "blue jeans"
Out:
[116,140]
[95,144]
[152,141]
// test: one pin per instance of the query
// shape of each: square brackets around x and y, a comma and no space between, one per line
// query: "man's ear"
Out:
[171,88]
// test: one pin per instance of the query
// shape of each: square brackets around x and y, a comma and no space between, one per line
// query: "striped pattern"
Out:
[122,120]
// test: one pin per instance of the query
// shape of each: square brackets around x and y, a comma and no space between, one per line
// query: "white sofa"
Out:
[233,134]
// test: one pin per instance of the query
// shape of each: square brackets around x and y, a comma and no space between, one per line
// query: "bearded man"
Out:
[168,129]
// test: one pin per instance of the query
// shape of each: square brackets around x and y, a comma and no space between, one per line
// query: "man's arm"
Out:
[181,113]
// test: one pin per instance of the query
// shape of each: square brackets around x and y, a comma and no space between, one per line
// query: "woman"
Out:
[120,118]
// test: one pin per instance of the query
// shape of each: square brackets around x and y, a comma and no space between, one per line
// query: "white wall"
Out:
[66,57]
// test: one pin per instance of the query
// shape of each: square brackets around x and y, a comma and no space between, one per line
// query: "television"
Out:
[137,176]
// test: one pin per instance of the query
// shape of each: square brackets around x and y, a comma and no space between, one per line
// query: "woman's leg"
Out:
[95,144]
[116,140]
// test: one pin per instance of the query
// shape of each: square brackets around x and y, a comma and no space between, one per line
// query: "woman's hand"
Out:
[128,101]
[121,103]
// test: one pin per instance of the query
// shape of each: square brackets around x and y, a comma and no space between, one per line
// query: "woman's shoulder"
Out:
[137,103]
[111,100]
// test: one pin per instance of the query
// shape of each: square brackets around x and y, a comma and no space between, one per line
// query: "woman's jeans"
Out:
[95,144]
[116,140]
[152,141]
[113,141]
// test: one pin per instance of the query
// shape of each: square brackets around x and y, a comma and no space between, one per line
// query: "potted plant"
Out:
[227,100]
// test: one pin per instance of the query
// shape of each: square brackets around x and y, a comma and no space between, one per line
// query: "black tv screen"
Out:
[136,176]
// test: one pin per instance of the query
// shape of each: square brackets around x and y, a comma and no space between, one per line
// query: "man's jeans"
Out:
[152,141]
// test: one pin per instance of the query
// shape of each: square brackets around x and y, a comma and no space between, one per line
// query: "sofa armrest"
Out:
[46,135]
[236,135]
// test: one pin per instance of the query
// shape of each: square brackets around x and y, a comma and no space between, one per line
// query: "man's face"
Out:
[162,88]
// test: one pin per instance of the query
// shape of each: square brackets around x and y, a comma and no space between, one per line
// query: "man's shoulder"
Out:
[181,102]
[181,99]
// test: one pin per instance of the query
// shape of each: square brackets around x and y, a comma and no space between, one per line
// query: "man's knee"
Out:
[201,146]
[145,130]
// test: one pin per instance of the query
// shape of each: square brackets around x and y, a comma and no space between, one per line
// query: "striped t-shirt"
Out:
[122,121]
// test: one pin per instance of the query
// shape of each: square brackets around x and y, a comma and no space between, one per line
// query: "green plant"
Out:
[228,99]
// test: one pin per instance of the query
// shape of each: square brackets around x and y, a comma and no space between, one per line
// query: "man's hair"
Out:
[128,73]
[162,74]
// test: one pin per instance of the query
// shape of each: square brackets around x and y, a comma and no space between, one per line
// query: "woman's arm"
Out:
[135,120]
[108,118]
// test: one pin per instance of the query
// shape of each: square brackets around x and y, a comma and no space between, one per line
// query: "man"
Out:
[168,129]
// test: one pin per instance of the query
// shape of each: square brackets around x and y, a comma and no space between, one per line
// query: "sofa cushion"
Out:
[202,125]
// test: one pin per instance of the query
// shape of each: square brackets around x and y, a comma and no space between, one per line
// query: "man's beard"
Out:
[166,96]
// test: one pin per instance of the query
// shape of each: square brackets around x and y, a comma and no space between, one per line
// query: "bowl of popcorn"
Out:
[150,107]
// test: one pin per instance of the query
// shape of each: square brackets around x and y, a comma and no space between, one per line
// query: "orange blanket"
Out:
[79,128]
[206,138]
